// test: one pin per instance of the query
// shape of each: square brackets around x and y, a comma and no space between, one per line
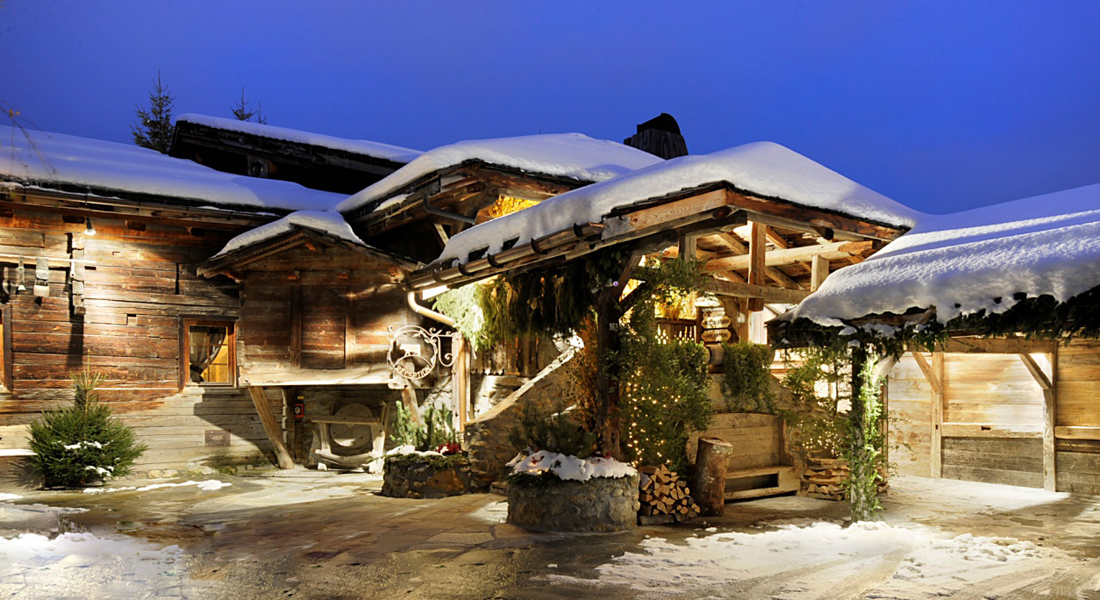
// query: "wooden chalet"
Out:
[768,223]
[446,190]
[99,244]
[1010,396]
[320,162]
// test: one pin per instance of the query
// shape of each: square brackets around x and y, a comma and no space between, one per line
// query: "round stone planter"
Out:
[601,504]
[418,476]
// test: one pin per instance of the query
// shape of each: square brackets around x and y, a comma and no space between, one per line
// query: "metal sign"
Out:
[415,352]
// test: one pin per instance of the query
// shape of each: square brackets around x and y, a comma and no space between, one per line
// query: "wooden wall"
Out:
[993,418]
[323,310]
[141,284]
[910,418]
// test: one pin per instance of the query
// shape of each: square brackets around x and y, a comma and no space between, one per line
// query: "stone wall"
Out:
[409,476]
[600,504]
[486,438]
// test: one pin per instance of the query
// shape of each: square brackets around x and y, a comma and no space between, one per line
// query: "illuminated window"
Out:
[210,356]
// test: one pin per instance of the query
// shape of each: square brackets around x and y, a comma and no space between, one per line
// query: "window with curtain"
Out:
[210,351]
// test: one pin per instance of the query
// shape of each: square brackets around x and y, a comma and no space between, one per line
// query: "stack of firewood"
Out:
[662,492]
[824,478]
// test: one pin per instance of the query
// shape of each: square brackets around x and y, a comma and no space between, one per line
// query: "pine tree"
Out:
[241,112]
[154,127]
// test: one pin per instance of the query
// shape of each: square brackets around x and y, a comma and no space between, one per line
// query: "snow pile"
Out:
[571,155]
[210,485]
[364,147]
[5,497]
[39,158]
[763,168]
[863,560]
[81,565]
[328,222]
[969,261]
[568,467]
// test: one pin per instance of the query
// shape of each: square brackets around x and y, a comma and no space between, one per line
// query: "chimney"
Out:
[659,136]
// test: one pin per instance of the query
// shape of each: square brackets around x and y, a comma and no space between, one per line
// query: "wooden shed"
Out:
[1010,396]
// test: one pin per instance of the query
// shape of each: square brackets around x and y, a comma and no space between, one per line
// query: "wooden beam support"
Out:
[408,398]
[819,270]
[789,256]
[934,374]
[687,246]
[777,240]
[1046,383]
[758,250]
[271,427]
[770,295]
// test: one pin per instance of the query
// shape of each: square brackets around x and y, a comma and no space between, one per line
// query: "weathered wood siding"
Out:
[1078,405]
[1010,461]
[1078,384]
[997,403]
[757,439]
[323,310]
[910,418]
[141,285]
[994,389]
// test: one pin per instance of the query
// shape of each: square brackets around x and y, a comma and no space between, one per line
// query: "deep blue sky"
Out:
[940,105]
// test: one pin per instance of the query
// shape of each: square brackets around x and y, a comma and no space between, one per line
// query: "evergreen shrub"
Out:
[747,382]
[82,444]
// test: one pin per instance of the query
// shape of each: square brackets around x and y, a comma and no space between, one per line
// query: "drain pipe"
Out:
[427,312]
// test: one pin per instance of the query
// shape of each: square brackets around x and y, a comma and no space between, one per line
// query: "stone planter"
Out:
[418,476]
[601,504]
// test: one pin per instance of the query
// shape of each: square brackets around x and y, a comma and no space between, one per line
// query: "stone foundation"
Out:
[413,476]
[600,505]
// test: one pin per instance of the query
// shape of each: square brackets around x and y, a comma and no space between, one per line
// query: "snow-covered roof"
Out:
[763,168]
[327,222]
[364,147]
[571,155]
[964,262]
[51,160]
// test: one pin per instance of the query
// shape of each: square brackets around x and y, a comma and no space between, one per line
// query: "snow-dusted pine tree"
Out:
[154,127]
[241,112]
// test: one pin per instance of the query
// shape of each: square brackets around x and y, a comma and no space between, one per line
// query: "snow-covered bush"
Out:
[82,443]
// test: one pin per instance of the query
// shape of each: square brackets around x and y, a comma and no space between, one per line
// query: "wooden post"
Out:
[408,397]
[460,380]
[292,425]
[271,428]
[757,250]
[1050,475]
[708,488]
[688,247]
[819,270]
[934,374]
[608,312]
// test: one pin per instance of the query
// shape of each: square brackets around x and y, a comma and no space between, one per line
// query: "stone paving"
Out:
[307,534]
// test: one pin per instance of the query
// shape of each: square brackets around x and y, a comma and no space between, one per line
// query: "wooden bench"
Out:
[378,433]
[761,481]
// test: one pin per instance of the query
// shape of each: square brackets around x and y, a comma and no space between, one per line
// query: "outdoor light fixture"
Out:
[88,229]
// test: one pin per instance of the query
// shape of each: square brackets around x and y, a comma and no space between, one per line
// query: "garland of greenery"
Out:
[747,382]
[663,385]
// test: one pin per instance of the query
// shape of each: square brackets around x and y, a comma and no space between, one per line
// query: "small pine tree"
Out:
[83,443]
[154,127]
[241,112]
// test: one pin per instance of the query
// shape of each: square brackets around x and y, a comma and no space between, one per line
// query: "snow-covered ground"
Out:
[827,560]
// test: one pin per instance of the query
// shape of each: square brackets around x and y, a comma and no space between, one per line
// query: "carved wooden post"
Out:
[709,486]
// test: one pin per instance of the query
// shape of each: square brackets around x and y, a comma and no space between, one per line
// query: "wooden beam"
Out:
[1046,383]
[730,241]
[737,247]
[770,295]
[687,246]
[271,428]
[460,380]
[832,250]
[934,374]
[937,417]
[758,249]
[1076,432]
[929,373]
[819,270]
[999,346]
[777,240]
[408,398]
